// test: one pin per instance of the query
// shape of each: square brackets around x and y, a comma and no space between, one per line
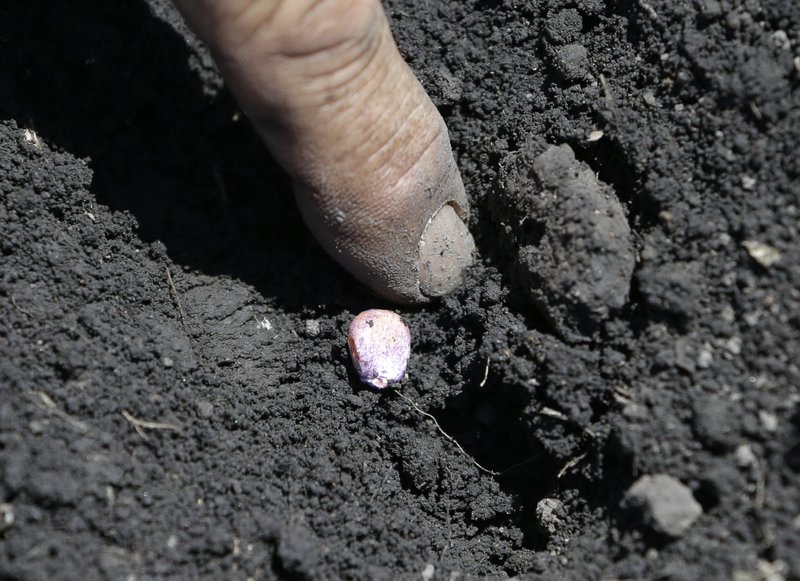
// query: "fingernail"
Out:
[445,250]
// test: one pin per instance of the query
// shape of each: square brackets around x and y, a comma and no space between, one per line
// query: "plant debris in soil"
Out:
[175,394]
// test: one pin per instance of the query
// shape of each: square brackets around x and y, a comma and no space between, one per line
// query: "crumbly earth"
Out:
[176,399]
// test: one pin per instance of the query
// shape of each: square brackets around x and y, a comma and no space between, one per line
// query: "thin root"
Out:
[20,309]
[446,435]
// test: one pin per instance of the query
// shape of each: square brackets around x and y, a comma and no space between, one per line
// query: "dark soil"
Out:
[176,399]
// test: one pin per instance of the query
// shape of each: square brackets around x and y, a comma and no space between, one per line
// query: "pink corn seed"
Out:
[380,345]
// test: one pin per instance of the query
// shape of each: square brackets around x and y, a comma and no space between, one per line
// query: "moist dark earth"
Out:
[620,367]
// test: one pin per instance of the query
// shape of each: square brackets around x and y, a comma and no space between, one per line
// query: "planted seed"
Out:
[380,345]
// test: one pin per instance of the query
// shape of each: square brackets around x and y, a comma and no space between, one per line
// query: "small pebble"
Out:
[668,506]
[380,345]
[705,358]
[205,409]
[428,572]
[734,345]
[762,253]
[6,516]
[312,327]
[744,456]
[780,40]
[768,420]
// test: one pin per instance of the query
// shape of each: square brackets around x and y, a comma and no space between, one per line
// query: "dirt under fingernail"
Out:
[445,251]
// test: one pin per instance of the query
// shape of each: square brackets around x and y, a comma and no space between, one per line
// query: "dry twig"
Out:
[571,464]
[45,401]
[174,294]
[485,373]
[141,425]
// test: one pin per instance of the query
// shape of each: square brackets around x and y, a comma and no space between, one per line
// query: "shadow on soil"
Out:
[163,143]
